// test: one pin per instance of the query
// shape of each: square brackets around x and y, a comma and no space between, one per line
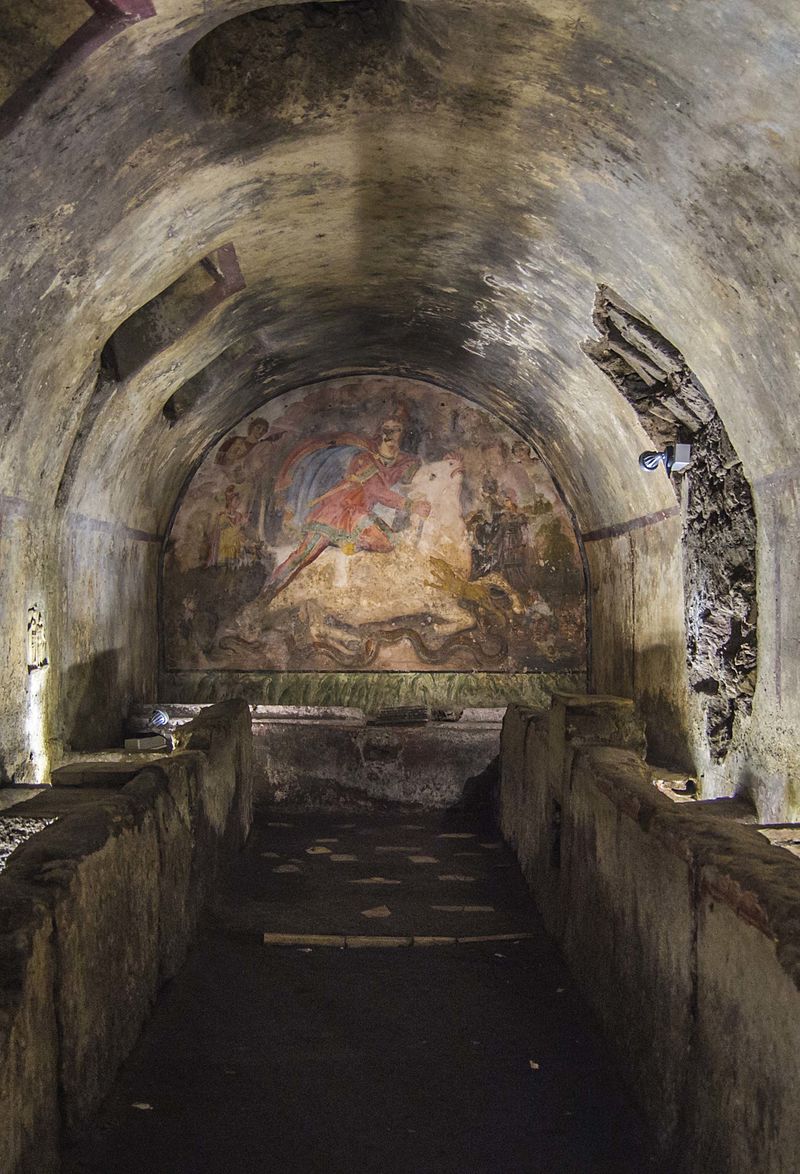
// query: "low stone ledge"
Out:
[95,912]
[734,862]
[333,757]
[29,1113]
[512,766]
[538,748]
[626,924]
[15,794]
[98,871]
[625,779]
[95,772]
[681,924]
[169,793]
[684,931]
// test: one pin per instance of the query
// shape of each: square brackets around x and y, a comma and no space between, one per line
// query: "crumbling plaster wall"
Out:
[453,223]
[718,540]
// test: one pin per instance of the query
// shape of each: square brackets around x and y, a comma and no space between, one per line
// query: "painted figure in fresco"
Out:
[349,492]
[237,448]
[242,458]
[500,535]
[230,545]
[237,452]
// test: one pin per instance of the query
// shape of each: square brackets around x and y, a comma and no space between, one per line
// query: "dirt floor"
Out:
[420,1059]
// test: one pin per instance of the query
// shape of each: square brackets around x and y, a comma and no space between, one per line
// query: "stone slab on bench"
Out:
[15,794]
[56,801]
[115,768]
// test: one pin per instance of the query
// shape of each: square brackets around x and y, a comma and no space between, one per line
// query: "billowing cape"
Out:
[314,468]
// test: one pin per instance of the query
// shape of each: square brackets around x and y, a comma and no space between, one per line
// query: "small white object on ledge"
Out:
[147,742]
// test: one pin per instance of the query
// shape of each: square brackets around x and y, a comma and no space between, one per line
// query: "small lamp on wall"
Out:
[675,458]
[158,723]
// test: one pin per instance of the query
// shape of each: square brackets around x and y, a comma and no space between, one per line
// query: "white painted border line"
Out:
[378,941]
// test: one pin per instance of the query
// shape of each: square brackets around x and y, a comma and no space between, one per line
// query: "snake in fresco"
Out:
[482,594]
[368,652]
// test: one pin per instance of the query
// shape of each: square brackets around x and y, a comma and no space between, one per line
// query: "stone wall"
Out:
[415,219]
[679,925]
[327,757]
[96,912]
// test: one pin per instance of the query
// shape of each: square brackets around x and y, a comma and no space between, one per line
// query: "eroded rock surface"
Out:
[14,831]
[719,524]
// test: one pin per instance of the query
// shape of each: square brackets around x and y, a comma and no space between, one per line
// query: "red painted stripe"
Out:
[109,18]
[620,528]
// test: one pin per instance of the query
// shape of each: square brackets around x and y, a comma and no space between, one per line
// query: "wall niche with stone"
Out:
[282,64]
[719,523]
[31,32]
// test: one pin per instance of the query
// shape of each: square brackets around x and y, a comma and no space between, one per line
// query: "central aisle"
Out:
[420,1058]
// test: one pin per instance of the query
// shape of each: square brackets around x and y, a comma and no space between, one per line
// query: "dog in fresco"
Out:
[481,592]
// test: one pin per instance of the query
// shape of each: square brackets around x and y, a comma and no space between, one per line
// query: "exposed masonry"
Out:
[279,62]
[719,526]
[16,830]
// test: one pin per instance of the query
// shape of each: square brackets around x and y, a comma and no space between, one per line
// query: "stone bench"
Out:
[681,924]
[96,912]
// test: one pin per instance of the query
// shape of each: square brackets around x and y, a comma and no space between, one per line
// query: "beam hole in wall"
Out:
[242,365]
[187,395]
[719,524]
[30,33]
[170,314]
[283,63]
[41,38]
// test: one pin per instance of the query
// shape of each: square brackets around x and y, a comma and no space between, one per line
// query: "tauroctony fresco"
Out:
[374,523]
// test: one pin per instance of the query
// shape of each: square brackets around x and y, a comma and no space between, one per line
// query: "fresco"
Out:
[372,523]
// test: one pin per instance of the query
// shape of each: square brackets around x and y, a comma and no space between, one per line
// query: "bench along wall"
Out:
[96,912]
[679,926]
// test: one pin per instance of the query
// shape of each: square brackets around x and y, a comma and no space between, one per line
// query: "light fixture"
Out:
[675,458]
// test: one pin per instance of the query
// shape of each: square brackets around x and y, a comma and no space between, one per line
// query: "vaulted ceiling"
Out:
[247,199]
[435,188]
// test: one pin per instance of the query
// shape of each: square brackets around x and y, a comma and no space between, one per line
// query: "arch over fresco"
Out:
[373,524]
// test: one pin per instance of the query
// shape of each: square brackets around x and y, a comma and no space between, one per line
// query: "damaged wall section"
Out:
[719,526]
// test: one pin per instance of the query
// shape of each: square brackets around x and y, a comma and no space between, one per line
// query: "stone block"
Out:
[538,748]
[166,792]
[628,929]
[512,768]
[29,1117]
[578,720]
[747,1052]
[96,911]
[98,869]
[223,733]
[313,760]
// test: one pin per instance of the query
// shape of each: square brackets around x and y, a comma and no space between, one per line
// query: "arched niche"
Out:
[373,540]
